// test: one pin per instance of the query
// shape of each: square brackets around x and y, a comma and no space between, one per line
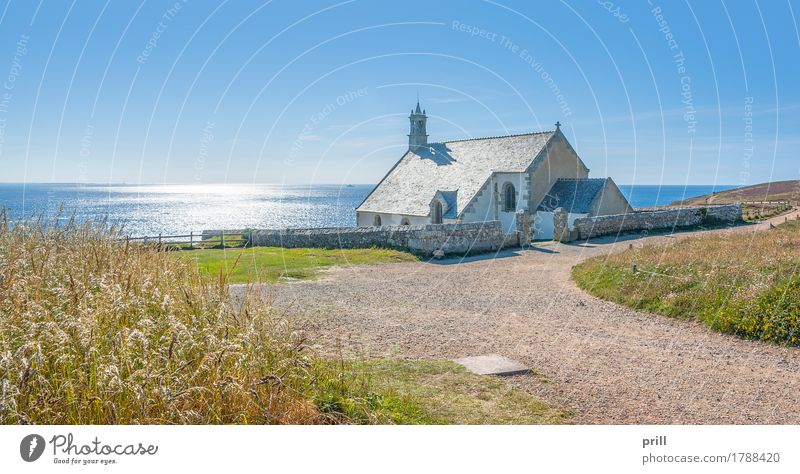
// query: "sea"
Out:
[169,209]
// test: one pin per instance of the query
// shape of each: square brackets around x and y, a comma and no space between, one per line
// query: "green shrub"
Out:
[772,316]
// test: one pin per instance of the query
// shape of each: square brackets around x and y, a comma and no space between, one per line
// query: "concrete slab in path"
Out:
[492,364]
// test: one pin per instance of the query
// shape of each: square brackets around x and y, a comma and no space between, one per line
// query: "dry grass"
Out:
[95,332]
[745,284]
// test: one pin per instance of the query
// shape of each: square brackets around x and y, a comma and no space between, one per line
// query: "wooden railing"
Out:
[772,203]
[764,209]
[203,240]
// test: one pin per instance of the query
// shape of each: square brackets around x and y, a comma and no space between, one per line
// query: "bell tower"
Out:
[418,135]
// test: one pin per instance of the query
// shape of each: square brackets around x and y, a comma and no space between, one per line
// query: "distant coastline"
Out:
[772,191]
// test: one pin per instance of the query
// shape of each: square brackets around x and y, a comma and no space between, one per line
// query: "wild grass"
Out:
[272,264]
[743,284]
[93,331]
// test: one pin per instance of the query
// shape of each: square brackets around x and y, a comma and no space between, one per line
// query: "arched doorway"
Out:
[436,218]
[376,221]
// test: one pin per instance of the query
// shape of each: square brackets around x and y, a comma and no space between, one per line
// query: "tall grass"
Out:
[93,331]
[743,284]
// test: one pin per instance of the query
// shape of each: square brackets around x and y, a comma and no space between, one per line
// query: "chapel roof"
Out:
[574,195]
[459,166]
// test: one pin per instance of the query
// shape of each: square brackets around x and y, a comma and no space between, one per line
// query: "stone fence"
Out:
[670,219]
[429,240]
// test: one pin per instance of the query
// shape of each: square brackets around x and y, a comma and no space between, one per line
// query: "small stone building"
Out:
[486,179]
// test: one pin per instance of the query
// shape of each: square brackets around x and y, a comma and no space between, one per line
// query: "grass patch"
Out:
[271,264]
[443,392]
[743,284]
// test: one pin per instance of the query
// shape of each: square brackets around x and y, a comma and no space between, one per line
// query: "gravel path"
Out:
[607,363]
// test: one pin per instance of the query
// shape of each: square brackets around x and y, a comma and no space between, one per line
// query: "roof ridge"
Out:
[498,136]
[581,179]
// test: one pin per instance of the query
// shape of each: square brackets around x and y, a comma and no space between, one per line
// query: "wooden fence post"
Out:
[191,239]
[222,239]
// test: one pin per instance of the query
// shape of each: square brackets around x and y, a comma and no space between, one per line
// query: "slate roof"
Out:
[451,198]
[575,195]
[457,168]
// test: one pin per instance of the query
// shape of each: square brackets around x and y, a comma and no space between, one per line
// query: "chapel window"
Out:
[509,198]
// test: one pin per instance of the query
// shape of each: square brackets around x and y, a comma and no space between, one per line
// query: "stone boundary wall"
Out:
[679,218]
[429,240]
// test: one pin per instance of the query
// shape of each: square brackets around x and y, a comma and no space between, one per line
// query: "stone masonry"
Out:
[447,239]
[481,237]
[523,222]
[669,219]
[561,231]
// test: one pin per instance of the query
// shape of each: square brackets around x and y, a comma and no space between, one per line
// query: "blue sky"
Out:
[319,92]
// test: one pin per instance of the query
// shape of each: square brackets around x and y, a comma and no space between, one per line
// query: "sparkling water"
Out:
[181,208]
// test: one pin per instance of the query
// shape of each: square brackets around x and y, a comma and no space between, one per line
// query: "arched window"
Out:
[404,221]
[437,213]
[376,221]
[509,198]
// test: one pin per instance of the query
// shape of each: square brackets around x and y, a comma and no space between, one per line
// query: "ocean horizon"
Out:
[152,209]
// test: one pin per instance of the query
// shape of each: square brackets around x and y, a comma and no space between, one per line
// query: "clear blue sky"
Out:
[319,92]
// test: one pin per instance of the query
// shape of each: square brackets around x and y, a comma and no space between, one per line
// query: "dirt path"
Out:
[609,364]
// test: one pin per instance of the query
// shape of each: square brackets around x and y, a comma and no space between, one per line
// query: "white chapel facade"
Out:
[488,179]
